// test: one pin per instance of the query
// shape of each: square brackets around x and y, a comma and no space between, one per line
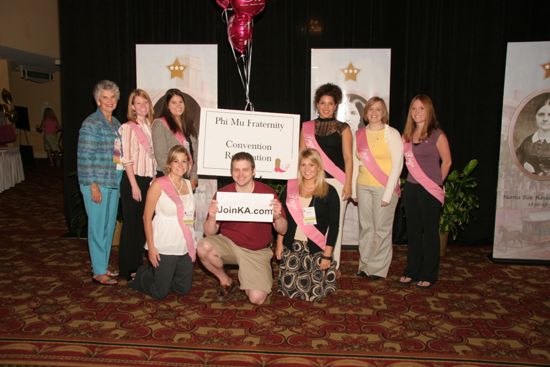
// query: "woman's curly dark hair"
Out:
[328,89]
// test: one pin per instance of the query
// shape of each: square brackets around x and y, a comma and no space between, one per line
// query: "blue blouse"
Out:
[96,142]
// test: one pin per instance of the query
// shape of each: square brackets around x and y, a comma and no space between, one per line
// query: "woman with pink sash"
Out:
[168,220]
[174,127]
[379,152]
[428,160]
[307,270]
[333,140]
[140,167]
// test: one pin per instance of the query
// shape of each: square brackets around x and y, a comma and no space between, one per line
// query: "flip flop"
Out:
[429,285]
[112,274]
[104,279]
[406,282]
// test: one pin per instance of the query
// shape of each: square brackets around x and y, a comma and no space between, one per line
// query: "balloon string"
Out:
[225,14]
[242,77]
[246,58]
[248,69]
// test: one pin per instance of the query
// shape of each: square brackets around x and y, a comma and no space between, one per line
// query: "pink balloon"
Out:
[248,7]
[239,31]
[223,3]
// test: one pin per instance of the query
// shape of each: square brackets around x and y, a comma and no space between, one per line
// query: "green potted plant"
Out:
[460,203]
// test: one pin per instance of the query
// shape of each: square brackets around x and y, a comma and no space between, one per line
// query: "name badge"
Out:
[309,215]
[117,155]
[189,217]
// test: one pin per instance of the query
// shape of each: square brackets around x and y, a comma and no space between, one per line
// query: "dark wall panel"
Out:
[452,50]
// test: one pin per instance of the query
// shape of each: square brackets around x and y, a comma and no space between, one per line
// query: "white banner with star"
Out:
[361,74]
[522,220]
[193,69]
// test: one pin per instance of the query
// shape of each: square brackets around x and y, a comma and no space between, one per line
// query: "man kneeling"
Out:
[242,243]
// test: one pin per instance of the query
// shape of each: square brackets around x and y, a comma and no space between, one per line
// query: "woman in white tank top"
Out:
[168,219]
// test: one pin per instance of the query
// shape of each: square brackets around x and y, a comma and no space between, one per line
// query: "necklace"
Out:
[306,191]
[376,130]
[376,127]
[178,189]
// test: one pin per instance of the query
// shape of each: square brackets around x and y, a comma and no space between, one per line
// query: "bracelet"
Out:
[326,257]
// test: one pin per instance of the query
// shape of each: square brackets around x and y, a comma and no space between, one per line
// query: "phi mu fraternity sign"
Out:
[271,138]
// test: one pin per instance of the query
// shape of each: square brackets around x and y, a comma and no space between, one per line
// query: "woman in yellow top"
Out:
[379,153]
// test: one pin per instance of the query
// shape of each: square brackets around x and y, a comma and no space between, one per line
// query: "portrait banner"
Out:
[361,74]
[522,219]
[271,138]
[193,69]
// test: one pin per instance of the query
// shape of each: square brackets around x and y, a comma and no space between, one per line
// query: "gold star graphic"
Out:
[546,68]
[176,69]
[350,72]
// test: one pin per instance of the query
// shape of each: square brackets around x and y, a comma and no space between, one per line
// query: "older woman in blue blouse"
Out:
[99,174]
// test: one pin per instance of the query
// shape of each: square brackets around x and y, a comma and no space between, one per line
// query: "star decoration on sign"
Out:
[546,68]
[350,72]
[176,69]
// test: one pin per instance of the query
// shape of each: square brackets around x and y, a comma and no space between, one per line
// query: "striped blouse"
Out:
[134,153]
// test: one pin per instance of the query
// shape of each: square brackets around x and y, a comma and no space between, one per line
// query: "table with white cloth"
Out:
[11,168]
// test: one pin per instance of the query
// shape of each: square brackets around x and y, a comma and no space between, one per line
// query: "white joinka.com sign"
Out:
[244,207]
[271,138]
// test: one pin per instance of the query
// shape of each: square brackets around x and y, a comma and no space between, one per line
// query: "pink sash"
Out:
[180,138]
[308,129]
[419,175]
[295,209]
[141,137]
[368,160]
[169,189]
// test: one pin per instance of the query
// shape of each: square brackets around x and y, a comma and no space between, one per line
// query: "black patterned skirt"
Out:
[300,276]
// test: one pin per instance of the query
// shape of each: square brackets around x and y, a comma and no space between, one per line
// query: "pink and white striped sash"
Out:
[420,176]
[308,130]
[170,190]
[295,209]
[141,137]
[368,160]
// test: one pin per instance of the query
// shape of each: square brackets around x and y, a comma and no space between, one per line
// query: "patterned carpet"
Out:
[51,314]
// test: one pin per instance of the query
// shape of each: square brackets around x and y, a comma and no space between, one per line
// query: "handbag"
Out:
[7,132]
[399,229]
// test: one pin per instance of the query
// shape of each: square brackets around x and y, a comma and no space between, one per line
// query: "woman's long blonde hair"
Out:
[431,120]
[321,186]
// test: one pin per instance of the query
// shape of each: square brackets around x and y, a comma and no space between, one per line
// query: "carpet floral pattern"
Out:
[51,314]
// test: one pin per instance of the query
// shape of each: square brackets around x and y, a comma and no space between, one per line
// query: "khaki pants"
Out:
[255,271]
[375,230]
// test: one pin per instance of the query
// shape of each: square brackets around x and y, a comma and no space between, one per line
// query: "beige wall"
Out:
[4,79]
[36,96]
[32,26]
